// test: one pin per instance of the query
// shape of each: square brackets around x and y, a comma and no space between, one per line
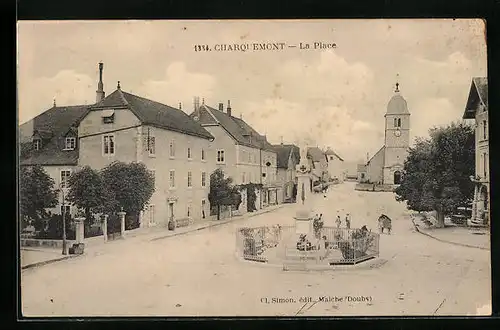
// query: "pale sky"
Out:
[334,98]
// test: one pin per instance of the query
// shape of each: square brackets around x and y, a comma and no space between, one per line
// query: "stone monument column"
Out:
[79,230]
[122,223]
[105,227]
[303,218]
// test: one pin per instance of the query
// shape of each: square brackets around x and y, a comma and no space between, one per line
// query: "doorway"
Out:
[171,210]
[397,177]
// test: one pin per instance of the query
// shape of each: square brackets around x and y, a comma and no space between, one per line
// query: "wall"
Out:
[482,144]
[227,143]
[185,197]
[336,168]
[270,171]
[247,163]
[374,168]
[91,147]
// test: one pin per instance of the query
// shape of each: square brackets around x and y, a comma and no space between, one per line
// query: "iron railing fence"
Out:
[332,245]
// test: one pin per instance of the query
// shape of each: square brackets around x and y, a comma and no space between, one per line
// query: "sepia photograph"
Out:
[245,168]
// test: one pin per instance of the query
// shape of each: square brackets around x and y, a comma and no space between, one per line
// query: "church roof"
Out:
[397,105]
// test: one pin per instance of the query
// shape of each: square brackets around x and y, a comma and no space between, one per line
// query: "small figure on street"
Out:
[338,221]
[348,221]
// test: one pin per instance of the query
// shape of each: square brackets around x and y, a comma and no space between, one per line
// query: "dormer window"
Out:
[108,116]
[37,144]
[70,143]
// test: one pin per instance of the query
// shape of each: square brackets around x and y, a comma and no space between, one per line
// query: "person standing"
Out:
[338,221]
[348,221]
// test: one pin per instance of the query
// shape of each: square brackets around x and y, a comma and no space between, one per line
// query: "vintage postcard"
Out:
[254,168]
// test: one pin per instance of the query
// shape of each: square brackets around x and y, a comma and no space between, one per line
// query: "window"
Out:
[151,214]
[249,157]
[108,143]
[399,122]
[203,179]
[243,177]
[108,116]
[485,165]
[172,179]
[37,144]
[172,149]
[202,154]
[220,156]
[203,202]
[189,211]
[65,209]
[70,143]
[263,175]
[189,153]
[65,174]
[152,146]
[395,122]
[190,179]
[484,129]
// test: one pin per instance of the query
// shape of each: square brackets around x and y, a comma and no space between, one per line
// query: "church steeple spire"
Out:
[397,84]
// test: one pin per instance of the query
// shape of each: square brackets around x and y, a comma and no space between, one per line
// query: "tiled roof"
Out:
[156,114]
[478,94]
[481,84]
[329,151]
[283,153]
[243,133]
[52,126]
[316,154]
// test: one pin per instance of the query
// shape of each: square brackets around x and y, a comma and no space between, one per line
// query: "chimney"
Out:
[221,107]
[228,107]
[100,86]
[196,103]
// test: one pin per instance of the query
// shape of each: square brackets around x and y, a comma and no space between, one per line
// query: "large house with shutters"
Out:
[128,128]
[477,110]
[242,153]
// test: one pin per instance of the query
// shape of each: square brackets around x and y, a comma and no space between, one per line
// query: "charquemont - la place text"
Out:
[264,46]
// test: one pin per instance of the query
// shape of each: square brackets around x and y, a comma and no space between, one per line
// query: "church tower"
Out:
[397,138]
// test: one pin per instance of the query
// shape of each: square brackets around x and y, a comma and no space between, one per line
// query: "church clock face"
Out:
[397,133]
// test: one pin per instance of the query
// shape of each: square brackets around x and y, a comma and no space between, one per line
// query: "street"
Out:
[197,274]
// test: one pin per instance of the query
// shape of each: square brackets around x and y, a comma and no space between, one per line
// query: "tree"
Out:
[36,194]
[437,171]
[128,185]
[222,191]
[88,192]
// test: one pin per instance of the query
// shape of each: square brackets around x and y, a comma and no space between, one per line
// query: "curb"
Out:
[366,265]
[46,262]
[446,241]
[215,224]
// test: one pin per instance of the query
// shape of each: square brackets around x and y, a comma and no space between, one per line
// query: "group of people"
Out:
[338,221]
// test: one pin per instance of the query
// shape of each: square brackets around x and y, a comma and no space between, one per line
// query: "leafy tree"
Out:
[222,191]
[36,194]
[437,170]
[127,185]
[88,192]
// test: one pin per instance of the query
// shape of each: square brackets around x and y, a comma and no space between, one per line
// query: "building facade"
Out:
[336,168]
[319,169]
[243,154]
[180,153]
[477,109]
[288,159]
[386,166]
